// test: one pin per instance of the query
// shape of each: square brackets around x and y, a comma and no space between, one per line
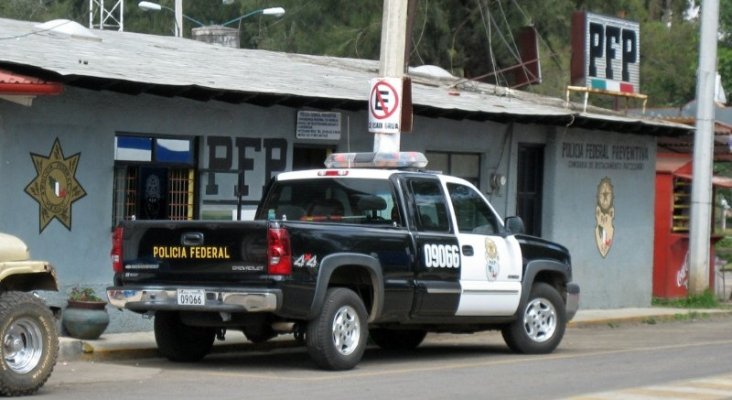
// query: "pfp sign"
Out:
[605,53]
[385,105]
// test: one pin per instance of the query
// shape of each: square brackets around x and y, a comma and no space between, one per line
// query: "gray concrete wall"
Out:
[576,162]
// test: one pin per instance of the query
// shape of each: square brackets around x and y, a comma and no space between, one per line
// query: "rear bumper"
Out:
[573,293]
[143,299]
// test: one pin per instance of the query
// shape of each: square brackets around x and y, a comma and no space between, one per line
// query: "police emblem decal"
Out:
[492,266]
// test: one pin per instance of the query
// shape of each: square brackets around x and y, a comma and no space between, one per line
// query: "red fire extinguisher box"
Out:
[671,241]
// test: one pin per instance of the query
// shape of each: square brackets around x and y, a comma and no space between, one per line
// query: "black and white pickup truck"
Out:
[371,246]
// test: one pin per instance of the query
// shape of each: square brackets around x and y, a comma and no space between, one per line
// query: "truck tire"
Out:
[336,338]
[393,339]
[179,342]
[540,323]
[29,343]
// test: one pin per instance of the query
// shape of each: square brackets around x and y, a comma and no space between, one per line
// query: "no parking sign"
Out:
[385,105]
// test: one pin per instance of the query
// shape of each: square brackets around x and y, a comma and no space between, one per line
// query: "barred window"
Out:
[154,178]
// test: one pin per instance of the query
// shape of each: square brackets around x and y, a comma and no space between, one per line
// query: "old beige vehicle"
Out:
[27,326]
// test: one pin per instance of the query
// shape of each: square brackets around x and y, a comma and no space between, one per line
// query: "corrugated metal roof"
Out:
[135,63]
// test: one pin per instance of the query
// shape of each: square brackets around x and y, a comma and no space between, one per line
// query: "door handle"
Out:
[192,239]
[468,250]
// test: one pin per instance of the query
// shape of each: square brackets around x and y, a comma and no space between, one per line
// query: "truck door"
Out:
[437,266]
[490,273]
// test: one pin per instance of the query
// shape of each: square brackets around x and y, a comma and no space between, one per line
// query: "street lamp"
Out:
[274,11]
[150,6]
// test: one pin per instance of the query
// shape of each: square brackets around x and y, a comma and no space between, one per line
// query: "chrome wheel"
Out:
[336,337]
[346,330]
[540,320]
[23,345]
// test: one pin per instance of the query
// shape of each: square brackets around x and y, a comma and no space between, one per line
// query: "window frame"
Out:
[126,170]
[475,180]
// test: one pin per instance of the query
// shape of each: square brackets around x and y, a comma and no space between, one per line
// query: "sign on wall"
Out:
[605,53]
[604,156]
[55,187]
[318,125]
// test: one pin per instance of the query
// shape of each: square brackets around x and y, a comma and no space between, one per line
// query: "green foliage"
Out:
[724,66]
[706,300]
[668,72]
[84,294]
[724,243]
[691,315]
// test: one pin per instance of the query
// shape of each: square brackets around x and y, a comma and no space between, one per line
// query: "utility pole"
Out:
[391,65]
[701,187]
[179,18]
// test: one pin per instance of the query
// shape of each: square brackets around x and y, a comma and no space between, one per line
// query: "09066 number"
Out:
[441,256]
[191,297]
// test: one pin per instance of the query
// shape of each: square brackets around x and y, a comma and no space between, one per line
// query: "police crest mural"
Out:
[604,216]
[55,187]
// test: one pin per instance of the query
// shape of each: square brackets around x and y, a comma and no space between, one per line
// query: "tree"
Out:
[668,67]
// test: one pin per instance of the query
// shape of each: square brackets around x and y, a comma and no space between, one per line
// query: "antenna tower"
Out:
[101,17]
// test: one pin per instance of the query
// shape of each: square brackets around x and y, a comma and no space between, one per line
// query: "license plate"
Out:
[191,297]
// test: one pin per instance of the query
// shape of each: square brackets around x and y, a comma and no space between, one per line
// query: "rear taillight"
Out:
[117,249]
[279,259]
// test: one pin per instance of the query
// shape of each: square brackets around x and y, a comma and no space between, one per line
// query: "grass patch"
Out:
[691,316]
[706,300]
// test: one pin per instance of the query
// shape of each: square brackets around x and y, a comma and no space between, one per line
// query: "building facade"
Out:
[106,149]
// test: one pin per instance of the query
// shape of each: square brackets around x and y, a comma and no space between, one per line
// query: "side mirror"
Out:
[515,225]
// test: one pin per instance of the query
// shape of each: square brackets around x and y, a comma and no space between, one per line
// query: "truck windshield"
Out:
[344,200]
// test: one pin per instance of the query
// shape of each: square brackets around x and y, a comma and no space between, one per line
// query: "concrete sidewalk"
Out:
[121,346]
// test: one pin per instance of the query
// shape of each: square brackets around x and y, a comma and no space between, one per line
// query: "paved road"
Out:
[709,388]
[651,361]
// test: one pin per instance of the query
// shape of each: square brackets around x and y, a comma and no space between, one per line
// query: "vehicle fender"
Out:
[28,275]
[534,267]
[332,262]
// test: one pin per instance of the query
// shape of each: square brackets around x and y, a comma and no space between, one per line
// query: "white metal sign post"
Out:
[385,105]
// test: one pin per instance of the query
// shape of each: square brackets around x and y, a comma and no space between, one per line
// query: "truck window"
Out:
[430,206]
[472,212]
[345,200]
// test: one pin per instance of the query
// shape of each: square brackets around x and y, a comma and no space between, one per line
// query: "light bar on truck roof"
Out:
[405,159]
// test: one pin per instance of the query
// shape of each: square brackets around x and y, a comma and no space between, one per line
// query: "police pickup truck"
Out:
[371,246]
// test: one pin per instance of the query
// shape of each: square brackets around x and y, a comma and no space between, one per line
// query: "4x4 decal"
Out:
[306,260]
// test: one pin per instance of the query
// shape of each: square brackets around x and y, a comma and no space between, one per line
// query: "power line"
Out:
[488,30]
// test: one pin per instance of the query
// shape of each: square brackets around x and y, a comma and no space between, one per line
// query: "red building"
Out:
[673,208]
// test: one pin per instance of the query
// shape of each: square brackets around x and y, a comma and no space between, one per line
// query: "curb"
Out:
[668,316]
[71,349]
